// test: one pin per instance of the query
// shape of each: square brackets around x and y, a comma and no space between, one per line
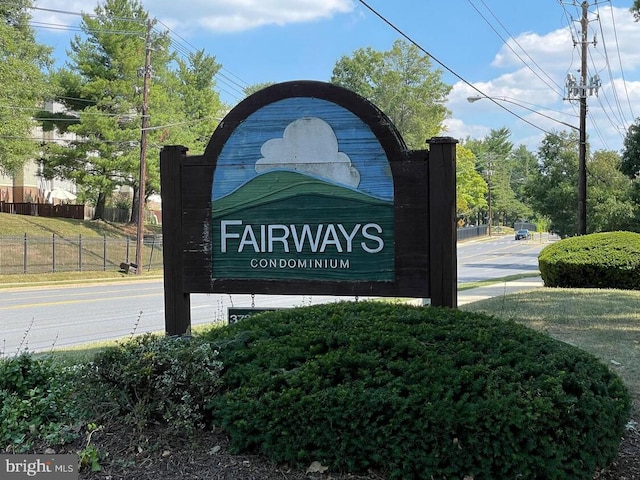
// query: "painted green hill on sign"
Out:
[282,184]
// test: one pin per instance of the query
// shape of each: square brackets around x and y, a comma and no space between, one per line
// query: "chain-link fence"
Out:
[37,254]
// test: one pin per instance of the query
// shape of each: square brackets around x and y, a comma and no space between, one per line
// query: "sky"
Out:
[517,53]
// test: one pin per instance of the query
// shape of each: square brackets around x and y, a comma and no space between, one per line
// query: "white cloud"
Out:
[234,16]
[211,15]
[57,14]
[309,145]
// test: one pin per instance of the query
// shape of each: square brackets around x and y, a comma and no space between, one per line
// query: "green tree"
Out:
[610,193]
[402,83]
[200,105]
[552,190]
[104,84]
[499,164]
[471,188]
[101,81]
[256,87]
[630,165]
[23,67]
[610,204]
[635,9]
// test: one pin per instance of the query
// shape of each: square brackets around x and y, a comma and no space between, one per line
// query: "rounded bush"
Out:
[417,393]
[599,260]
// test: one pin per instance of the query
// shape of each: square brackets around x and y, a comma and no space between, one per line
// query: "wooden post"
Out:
[443,260]
[177,303]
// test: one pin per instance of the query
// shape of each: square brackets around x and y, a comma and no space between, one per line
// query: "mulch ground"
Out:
[151,455]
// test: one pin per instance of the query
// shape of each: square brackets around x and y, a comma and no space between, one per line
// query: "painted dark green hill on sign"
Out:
[281,185]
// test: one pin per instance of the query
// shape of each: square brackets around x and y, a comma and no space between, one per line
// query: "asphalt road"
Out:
[40,319]
[498,257]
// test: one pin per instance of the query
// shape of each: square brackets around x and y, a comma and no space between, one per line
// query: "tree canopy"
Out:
[23,66]
[505,171]
[631,151]
[103,83]
[553,192]
[402,83]
[471,188]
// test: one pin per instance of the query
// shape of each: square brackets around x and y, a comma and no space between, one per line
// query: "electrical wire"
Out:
[614,90]
[230,86]
[555,86]
[448,69]
[186,49]
[617,43]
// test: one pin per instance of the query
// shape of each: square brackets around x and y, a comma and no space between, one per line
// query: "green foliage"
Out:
[505,170]
[552,189]
[153,378]
[610,202]
[402,84]
[23,63]
[599,260]
[90,456]
[631,152]
[470,186]
[416,392]
[102,83]
[36,402]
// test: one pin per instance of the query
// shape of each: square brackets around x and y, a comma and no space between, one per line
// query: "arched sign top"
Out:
[370,115]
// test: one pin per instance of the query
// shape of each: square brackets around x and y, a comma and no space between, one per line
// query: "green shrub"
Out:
[599,260]
[36,402]
[154,379]
[416,392]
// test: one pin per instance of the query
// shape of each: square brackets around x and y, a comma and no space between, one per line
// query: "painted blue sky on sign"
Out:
[290,133]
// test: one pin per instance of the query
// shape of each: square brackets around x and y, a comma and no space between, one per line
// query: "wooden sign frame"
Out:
[424,213]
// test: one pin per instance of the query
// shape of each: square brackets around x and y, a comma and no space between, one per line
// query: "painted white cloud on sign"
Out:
[309,145]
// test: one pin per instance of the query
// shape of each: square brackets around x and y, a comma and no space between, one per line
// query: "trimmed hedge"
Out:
[599,260]
[417,393]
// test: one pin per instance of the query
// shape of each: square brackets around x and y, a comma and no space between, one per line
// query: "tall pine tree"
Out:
[103,83]
[23,67]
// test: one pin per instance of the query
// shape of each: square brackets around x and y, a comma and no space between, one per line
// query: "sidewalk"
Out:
[498,289]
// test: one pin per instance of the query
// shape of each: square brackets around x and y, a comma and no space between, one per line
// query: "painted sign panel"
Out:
[302,189]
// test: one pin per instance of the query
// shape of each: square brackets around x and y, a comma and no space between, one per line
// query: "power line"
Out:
[451,71]
[234,89]
[617,43]
[506,42]
[186,48]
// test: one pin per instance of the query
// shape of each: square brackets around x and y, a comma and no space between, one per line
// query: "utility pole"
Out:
[579,91]
[146,75]
[489,173]
[582,157]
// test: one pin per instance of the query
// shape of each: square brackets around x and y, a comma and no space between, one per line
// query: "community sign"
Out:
[305,188]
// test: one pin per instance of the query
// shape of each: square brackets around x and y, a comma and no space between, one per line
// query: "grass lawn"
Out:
[603,322]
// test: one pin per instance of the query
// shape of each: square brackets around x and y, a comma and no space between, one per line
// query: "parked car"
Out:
[523,234]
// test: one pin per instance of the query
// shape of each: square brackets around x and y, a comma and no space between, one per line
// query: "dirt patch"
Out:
[151,455]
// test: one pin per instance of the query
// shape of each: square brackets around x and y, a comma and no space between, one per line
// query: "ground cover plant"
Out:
[36,403]
[416,392]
